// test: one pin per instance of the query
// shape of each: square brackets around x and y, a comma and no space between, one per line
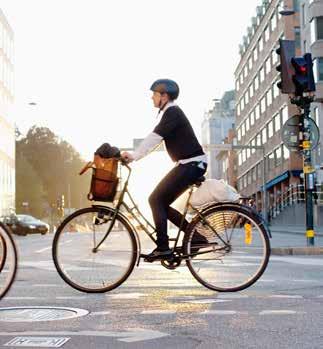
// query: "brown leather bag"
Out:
[104,180]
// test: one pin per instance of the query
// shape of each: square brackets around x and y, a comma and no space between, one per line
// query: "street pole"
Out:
[264,190]
[308,171]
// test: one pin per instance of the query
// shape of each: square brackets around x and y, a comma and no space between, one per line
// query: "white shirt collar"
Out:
[168,105]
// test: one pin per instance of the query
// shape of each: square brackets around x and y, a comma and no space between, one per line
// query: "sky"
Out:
[88,65]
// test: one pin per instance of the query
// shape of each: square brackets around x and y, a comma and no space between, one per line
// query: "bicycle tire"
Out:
[227,259]
[9,260]
[62,259]
[3,252]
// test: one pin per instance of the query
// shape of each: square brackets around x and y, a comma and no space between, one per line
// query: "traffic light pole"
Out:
[308,169]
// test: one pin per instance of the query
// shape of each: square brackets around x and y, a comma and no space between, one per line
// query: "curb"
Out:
[295,232]
[296,251]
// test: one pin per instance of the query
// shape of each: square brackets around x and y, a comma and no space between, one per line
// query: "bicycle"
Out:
[8,259]
[95,249]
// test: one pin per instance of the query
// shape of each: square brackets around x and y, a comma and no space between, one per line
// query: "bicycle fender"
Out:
[248,209]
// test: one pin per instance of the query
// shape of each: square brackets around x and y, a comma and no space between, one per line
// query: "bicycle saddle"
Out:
[199,181]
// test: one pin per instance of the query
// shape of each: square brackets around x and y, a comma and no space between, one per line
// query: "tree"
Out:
[57,165]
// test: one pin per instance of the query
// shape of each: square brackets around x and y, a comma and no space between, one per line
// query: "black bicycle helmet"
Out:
[166,86]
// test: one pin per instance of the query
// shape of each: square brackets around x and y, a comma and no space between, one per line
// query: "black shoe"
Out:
[158,254]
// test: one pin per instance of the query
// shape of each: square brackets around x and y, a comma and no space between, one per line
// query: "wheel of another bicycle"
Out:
[86,268]
[8,260]
[233,251]
[3,252]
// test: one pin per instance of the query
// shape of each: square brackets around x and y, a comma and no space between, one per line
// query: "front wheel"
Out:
[94,249]
[228,248]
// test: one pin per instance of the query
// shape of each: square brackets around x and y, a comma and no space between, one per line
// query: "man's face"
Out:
[159,99]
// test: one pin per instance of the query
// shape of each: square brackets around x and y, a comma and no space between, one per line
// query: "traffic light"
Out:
[303,77]
[286,51]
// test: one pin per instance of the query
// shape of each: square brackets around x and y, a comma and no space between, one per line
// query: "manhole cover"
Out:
[38,313]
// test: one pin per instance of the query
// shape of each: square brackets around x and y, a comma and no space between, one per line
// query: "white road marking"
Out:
[298,260]
[266,280]
[308,280]
[94,313]
[233,296]
[71,297]
[219,312]
[131,335]
[285,296]
[47,285]
[126,295]
[278,312]
[158,311]
[207,301]
[18,298]
[50,247]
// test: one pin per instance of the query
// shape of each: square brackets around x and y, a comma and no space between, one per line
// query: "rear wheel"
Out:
[8,260]
[235,250]
[86,258]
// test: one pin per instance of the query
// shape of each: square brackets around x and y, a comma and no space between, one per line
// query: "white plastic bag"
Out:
[211,190]
[214,190]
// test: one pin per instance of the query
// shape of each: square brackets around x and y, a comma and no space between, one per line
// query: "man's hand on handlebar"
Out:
[127,157]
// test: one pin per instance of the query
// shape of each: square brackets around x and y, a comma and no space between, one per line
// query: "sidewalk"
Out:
[291,240]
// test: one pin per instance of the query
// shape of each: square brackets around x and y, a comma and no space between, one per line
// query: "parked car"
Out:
[22,224]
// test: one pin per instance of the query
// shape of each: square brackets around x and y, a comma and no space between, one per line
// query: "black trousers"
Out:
[166,192]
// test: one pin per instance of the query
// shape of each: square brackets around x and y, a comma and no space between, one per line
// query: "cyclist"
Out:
[184,149]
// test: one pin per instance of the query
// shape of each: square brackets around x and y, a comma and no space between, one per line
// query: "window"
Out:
[284,114]
[258,139]
[277,122]
[267,33]
[260,44]
[243,130]
[273,22]
[312,30]
[278,156]
[297,32]
[251,90]
[240,159]
[255,54]
[263,105]
[271,161]
[250,62]
[254,174]
[247,124]
[269,97]
[248,153]
[259,170]
[249,178]
[257,111]
[238,109]
[296,6]
[264,135]
[270,129]
[253,143]
[246,97]
[268,65]
[239,134]
[286,152]
[243,155]
[252,118]
[275,90]
[241,79]
[303,15]
[242,103]
[319,28]
[237,85]
[256,82]
[318,69]
[245,71]
[274,57]
[262,74]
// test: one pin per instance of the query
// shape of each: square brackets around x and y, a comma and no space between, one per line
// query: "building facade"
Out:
[311,14]
[261,110]
[215,126]
[7,130]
